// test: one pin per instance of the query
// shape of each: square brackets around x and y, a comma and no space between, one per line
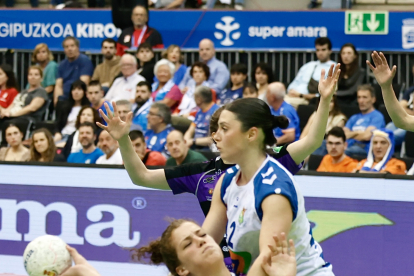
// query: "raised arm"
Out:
[384,75]
[299,150]
[137,171]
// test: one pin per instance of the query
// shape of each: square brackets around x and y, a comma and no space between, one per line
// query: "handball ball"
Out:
[46,255]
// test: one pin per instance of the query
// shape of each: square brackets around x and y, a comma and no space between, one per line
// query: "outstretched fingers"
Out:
[292,251]
[370,66]
[77,258]
[104,127]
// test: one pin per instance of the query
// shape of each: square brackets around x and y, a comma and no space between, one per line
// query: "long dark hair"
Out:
[354,64]
[78,84]
[96,117]
[258,115]
[51,150]
[11,79]
[266,68]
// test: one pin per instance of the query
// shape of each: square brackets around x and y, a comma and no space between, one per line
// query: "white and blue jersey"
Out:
[244,214]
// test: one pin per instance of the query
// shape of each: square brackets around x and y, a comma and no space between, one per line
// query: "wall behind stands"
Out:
[365,225]
[387,31]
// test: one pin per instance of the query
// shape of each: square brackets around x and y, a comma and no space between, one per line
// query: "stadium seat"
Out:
[384,112]
[409,144]
[408,162]
[304,112]
[314,161]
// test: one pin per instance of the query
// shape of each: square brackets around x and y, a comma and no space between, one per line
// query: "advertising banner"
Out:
[249,30]
[365,226]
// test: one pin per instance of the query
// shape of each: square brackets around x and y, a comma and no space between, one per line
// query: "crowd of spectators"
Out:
[171,105]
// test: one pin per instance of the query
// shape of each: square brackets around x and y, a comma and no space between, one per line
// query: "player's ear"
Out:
[182,271]
[252,133]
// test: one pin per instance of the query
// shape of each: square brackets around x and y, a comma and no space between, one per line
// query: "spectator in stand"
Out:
[407,105]
[238,76]
[140,32]
[123,88]
[335,119]
[148,157]
[67,111]
[200,73]
[358,129]
[42,147]
[106,72]
[86,114]
[379,159]
[111,149]
[89,153]
[29,105]
[16,151]
[159,120]
[165,91]
[336,160]
[43,57]
[8,86]
[124,107]
[166,4]
[197,135]
[173,54]
[238,4]
[250,91]
[219,74]
[146,61]
[304,87]
[276,92]
[140,108]
[262,75]
[74,67]
[180,153]
[352,75]
[95,95]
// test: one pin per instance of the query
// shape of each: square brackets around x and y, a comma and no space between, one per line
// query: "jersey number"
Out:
[233,225]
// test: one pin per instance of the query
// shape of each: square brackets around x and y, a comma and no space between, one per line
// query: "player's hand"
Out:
[115,126]
[382,72]
[328,86]
[280,261]
[81,267]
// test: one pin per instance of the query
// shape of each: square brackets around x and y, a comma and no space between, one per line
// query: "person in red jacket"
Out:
[8,86]
[140,32]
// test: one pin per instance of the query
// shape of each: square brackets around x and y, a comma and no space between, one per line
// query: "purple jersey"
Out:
[201,178]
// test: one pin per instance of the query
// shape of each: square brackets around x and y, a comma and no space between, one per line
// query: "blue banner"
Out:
[269,30]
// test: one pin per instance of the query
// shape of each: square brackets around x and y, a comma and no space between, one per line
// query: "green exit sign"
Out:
[366,22]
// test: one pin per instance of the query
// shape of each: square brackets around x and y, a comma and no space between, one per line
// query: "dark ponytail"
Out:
[252,112]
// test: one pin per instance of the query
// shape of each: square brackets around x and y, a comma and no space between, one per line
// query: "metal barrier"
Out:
[285,64]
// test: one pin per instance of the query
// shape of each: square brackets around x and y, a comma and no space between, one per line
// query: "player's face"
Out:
[230,140]
[107,144]
[40,142]
[13,136]
[365,101]
[323,53]
[139,147]
[196,251]
[94,94]
[379,147]
[335,146]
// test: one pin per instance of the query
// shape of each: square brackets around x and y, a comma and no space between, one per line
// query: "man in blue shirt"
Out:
[141,107]
[76,66]
[95,95]
[197,134]
[89,153]
[219,74]
[238,75]
[276,92]
[159,120]
[358,129]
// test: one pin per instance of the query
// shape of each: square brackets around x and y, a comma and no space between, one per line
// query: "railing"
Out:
[285,64]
